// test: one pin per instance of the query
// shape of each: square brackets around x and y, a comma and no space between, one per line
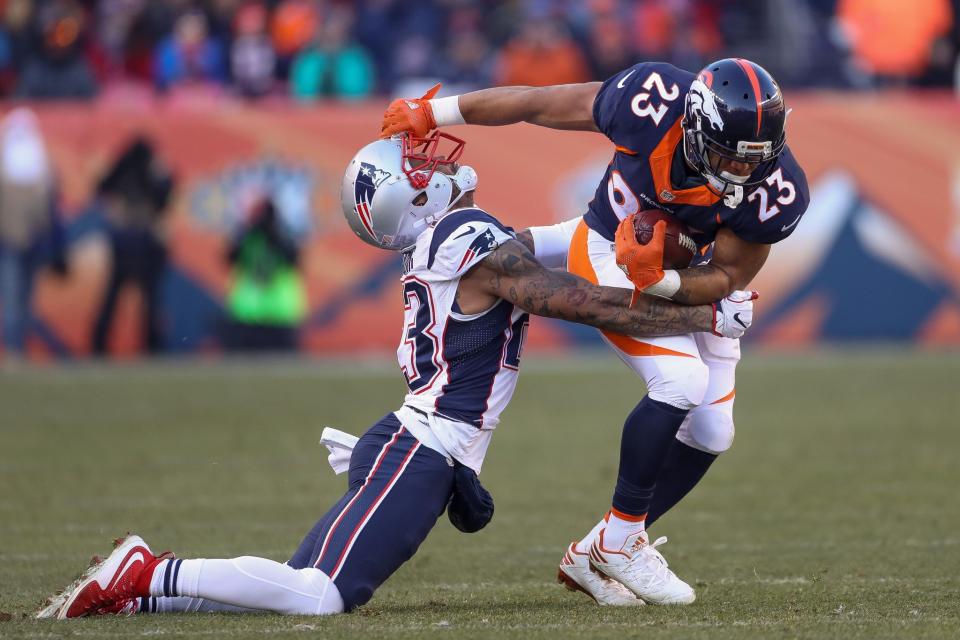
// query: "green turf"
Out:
[835,514]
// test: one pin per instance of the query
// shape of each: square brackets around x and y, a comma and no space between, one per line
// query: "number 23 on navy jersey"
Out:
[639,110]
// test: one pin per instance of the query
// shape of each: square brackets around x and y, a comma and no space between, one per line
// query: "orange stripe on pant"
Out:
[729,396]
[578,263]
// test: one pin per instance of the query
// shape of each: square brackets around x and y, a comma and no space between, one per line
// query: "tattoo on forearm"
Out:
[526,239]
[514,274]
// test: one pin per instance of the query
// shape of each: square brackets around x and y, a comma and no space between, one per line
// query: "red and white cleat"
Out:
[108,585]
[576,574]
[127,607]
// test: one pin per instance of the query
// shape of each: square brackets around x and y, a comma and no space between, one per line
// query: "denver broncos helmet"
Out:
[734,111]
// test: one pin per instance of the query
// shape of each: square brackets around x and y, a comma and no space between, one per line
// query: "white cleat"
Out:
[642,569]
[576,574]
[52,605]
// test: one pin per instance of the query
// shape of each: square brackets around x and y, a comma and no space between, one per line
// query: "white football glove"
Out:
[340,445]
[733,315]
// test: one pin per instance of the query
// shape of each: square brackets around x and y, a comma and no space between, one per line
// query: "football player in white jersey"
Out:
[468,285]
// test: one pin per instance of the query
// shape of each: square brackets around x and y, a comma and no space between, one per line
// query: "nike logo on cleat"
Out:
[134,556]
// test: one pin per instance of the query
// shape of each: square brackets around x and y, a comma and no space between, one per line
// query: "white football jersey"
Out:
[460,369]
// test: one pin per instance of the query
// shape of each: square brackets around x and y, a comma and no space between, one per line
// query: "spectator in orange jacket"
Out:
[891,38]
[542,54]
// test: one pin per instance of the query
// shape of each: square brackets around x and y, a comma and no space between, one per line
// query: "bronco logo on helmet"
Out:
[704,104]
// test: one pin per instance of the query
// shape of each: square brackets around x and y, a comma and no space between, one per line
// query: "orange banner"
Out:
[876,258]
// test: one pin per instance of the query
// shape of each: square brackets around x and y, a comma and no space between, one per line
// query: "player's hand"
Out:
[733,315]
[643,263]
[413,116]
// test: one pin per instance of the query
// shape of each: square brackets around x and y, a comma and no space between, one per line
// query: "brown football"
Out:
[678,247]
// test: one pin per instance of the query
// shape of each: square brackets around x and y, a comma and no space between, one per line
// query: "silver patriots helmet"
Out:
[392,189]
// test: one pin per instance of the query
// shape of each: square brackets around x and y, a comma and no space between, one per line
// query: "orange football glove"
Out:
[643,263]
[414,116]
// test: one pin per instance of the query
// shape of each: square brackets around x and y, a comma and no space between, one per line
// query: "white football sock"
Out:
[617,531]
[252,583]
[584,545]
[157,579]
[184,604]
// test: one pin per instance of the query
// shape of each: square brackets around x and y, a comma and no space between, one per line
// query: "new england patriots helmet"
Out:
[734,111]
[394,188]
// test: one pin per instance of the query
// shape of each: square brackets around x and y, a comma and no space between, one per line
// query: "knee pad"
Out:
[708,428]
[317,582]
[680,382]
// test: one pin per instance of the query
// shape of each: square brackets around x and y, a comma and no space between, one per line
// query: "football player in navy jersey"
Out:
[468,285]
[709,148]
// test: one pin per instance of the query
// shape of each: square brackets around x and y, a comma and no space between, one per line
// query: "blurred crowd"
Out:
[266,298]
[311,49]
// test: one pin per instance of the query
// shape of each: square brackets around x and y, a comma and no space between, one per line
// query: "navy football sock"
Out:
[682,470]
[647,435]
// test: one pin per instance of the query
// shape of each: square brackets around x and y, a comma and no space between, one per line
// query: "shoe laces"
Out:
[648,561]
[652,549]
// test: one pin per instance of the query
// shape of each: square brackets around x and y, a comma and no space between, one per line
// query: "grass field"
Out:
[835,514]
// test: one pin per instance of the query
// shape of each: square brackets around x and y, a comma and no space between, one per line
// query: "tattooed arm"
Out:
[526,239]
[512,273]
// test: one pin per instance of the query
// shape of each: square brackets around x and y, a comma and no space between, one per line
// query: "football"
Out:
[678,246]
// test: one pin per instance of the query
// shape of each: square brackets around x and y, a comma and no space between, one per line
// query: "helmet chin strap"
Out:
[466,180]
[726,183]
[734,198]
[732,192]
[732,177]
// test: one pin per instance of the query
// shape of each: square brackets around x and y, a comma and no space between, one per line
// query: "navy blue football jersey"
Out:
[640,110]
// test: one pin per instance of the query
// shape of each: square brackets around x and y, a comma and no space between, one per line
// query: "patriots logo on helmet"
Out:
[368,179]
[704,104]
[483,243]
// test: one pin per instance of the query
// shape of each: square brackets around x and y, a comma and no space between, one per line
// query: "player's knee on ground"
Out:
[708,428]
[679,382]
[317,581]
[358,585]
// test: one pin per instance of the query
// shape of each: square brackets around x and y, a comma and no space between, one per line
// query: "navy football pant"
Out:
[397,490]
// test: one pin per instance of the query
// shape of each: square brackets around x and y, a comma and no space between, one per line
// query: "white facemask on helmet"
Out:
[385,177]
